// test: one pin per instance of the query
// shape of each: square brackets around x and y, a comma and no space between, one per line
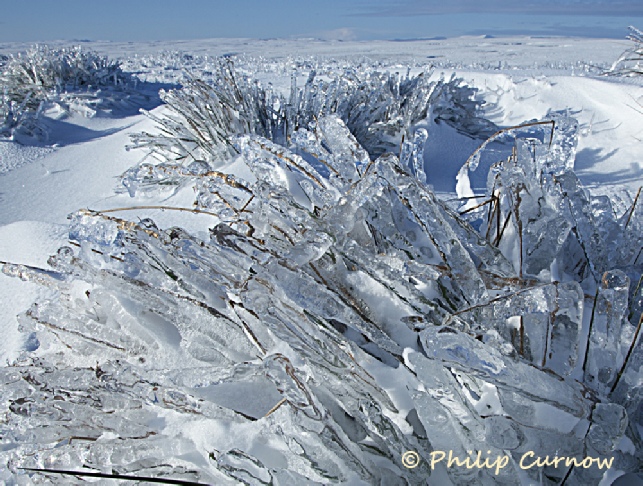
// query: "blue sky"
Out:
[137,20]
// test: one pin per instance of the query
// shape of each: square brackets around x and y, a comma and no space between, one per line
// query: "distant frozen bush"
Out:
[631,61]
[41,69]
[43,74]
[380,109]
[168,66]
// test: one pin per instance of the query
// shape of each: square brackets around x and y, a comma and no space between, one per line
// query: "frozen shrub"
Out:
[203,118]
[33,75]
[631,61]
[337,313]
[44,74]
[363,315]
[380,109]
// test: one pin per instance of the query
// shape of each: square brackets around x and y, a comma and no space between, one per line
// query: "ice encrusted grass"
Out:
[68,77]
[379,108]
[630,63]
[329,265]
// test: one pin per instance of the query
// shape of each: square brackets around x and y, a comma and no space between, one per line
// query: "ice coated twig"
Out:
[628,355]
[122,477]
[636,200]
[164,208]
[471,161]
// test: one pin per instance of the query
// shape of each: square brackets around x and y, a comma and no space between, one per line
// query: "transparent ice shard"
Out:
[412,154]
[628,389]
[608,426]
[104,232]
[566,324]
[604,356]
[542,324]
[583,223]
[490,261]
[330,142]
[147,177]
[451,424]
[423,207]
[562,145]
[466,353]
[529,208]
[629,250]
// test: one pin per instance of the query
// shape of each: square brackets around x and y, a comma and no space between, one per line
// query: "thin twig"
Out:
[488,201]
[504,226]
[168,208]
[125,477]
[636,200]
[246,204]
[31,315]
[589,333]
[274,409]
[629,353]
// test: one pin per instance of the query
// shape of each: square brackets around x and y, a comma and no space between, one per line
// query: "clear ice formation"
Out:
[339,314]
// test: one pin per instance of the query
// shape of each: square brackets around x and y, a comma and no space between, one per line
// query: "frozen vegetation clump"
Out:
[169,67]
[631,61]
[68,79]
[338,314]
[380,110]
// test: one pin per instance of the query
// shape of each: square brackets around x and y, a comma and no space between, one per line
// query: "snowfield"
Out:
[278,277]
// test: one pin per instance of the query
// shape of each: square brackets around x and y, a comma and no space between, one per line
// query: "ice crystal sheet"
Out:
[338,315]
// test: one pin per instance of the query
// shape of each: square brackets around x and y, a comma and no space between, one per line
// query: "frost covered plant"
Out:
[631,61]
[44,74]
[203,118]
[380,109]
[34,74]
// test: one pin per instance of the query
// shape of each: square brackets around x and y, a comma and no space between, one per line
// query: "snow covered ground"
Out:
[519,79]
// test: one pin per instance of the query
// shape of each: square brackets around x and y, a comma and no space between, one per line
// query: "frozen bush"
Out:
[203,118]
[42,75]
[631,61]
[338,313]
[380,110]
[363,316]
[33,75]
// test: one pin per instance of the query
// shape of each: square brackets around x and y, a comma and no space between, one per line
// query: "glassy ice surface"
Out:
[339,314]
